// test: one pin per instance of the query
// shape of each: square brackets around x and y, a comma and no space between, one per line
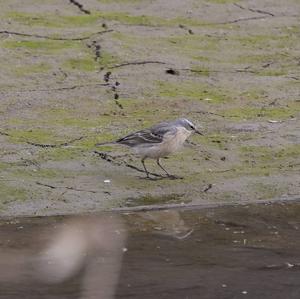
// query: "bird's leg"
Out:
[171,176]
[147,172]
[158,163]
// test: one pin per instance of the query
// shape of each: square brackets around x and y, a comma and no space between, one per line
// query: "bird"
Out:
[158,141]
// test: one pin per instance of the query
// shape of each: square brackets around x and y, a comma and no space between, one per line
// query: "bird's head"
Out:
[187,124]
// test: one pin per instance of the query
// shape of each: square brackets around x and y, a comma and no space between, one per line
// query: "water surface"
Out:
[250,251]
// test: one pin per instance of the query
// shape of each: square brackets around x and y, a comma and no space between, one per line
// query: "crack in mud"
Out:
[80,6]
[294,78]
[241,20]
[136,63]
[55,145]
[244,70]
[190,31]
[208,187]
[55,38]
[111,159]
[4,133]
[106,76]
[254,10]
[55,89]
[118,103]
[65,187]
[96,47]
[114,88]
[210,113]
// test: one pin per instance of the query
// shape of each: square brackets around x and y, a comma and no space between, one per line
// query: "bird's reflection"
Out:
[166,222]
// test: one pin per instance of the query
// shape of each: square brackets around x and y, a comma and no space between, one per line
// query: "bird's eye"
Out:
[192,127]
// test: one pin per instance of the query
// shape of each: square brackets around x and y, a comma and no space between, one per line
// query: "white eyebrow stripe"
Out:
[191,124]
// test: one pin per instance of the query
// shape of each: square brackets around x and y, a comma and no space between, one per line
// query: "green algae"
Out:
[10,193]
[192,91]
[4,165]
[274,113]
[31,69]
[38,173]
[145,110]
[81,64]
[265,42]
[33,135]
[263,160]
[44,46]
[189,46]
[253,95]
[89,143]
[89,64]
[60,154]
[147,20]
[192,44]
[222,1]
[201,71]
[271,154]
[292,30]
[267,191]
[201,58]
[76,149]
[151,200]
[144,113]
[52,20]
[121,1]
[218,140]
[74,118]
[272,72]
[128,19]
[261,58]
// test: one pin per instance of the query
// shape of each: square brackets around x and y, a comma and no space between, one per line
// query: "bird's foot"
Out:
[153,176]
[156,178]
[174,177]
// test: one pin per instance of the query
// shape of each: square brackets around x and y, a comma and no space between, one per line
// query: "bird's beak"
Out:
[198,132]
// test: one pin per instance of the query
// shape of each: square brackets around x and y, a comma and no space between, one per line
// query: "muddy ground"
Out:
[74,75]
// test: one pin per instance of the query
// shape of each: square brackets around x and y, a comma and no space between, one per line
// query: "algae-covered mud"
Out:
[74,74]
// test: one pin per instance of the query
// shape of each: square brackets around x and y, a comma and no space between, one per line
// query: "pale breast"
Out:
[174,142]
[171,143]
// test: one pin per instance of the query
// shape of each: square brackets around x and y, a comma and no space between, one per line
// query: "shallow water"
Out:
[227,252]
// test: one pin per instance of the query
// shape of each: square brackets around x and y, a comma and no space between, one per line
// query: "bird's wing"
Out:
[154,134]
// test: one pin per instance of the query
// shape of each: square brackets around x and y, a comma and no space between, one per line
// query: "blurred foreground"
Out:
[226,252]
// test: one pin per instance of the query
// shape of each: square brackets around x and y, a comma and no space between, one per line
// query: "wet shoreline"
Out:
[226,252]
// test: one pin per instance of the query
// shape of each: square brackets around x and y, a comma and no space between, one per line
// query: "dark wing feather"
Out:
[147,136]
